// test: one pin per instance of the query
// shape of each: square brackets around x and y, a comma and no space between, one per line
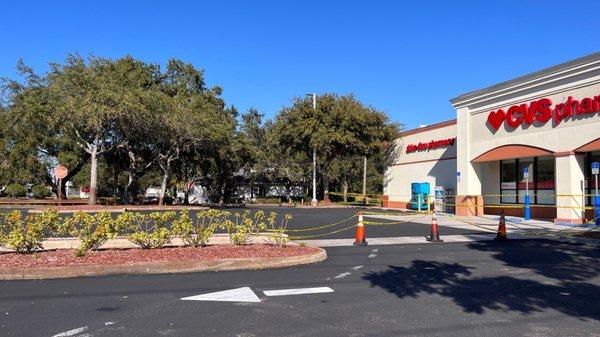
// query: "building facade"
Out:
[535,134]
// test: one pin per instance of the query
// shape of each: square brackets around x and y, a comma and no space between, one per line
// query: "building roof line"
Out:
[428,128]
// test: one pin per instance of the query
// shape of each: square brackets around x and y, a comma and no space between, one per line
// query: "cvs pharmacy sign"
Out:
[541,111]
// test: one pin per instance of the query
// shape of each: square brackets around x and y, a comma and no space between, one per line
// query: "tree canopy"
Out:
[123,125]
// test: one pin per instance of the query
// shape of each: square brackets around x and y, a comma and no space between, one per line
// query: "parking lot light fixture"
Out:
[314,201]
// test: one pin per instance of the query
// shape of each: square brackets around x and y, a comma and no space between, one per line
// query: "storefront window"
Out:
[591,187]
[544,183]
[508,183]
[540,182]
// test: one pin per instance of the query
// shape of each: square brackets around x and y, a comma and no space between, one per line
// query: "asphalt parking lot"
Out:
[519,288]
[533,287]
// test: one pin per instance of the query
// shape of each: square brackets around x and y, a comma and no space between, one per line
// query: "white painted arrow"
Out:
[244,294]
[299,291]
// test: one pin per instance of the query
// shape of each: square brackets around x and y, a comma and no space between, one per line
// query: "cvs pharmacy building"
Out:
[536,134]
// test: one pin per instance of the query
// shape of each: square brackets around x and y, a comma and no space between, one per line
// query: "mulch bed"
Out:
[66,257]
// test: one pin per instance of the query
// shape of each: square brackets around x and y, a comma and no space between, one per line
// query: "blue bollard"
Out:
[597,209]
[527,207]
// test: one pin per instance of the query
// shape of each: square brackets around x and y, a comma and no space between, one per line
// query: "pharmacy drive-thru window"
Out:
[534,137]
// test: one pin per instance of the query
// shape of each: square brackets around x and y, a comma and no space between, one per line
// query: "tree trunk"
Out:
[345,189]
[163,186]
[93,199]
[326,190]
[186,195]
[128,197]
[222,196]
[63,190]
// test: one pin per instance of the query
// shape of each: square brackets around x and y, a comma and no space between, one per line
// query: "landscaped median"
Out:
[134,243]
[62,263]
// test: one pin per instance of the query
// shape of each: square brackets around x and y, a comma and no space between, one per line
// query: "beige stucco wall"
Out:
[435,166]
[579,80]
[566,136]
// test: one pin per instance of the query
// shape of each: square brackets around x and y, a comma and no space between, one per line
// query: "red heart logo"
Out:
[496,118]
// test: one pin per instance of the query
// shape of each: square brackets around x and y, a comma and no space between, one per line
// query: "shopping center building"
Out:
[535,134]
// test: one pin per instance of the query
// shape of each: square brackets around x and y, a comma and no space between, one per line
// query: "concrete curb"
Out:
[162,267]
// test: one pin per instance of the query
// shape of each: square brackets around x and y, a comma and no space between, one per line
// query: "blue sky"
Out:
[407,59]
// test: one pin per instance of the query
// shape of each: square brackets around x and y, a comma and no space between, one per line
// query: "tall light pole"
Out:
[314,201]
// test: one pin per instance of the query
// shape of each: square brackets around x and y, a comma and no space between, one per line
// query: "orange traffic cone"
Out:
[360,232]
[501,235]
[434,235]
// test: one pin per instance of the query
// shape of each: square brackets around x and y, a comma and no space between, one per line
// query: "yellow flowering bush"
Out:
[92,230]
[277,236]
[244,226]
[25,235]
[197,234]
[150,232]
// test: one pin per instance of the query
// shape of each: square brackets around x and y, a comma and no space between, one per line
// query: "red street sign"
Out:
[60,172]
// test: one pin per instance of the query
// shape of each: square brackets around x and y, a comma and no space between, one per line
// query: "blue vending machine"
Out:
[419,196]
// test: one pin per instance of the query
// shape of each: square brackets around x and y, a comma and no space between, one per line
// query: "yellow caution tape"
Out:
[301,237]
[318,227]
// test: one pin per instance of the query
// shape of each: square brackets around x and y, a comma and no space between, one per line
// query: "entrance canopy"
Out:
[589,147]
[512,152]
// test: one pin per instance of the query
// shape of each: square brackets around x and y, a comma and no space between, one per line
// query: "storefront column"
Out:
[570,175]
[469,201]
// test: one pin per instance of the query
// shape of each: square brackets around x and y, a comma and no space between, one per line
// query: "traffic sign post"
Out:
[595,172]
[527,198]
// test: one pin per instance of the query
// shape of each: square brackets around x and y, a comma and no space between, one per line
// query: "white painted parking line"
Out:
[299,291]
[244,294]
[342,275]
[357,267]
[406,240]
[71,332]
[372,256]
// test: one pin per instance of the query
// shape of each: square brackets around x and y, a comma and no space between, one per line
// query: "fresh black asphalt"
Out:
[518,288]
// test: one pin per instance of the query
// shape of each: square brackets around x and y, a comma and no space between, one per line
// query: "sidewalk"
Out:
[514,225]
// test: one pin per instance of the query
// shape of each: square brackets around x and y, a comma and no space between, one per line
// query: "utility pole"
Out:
[314,201]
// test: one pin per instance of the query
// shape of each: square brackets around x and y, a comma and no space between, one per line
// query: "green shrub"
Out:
[92,230]
[151,232]
[25,235]
[40,192]
[268,200]
[277,234]
[198,234]
[15,191]
[244,227]
[3,228]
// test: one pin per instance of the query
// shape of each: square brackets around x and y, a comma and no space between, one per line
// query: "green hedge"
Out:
[15,191]
[40,192]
